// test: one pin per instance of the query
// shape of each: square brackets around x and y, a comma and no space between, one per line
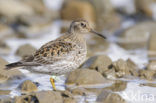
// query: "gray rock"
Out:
[28,86]
[109,97]
[105,13]
[100,63]
[151,46]
[147,74]
[146,6]
[31,98]
[75,9]
[86,77]
[67,97]
[152,66]
[137,36]
[96,45]
[8,74]
[19,8]
[4,48]
[6,99]
[49,97]
[40,97]
[25,50]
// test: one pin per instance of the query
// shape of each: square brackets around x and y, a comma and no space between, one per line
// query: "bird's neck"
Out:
[77,38]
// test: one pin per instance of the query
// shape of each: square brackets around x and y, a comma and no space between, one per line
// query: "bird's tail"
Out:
[19,64]
[13,65]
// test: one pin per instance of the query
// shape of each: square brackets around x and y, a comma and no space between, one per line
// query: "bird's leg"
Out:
[52,83]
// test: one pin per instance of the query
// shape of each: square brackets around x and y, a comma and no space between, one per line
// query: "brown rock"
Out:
[148,84]
[96,45]
[151,46]
[28,86]
[85,77]
[19,9]
[112,98]
[147,74]
[40,97]
[101,63]
[4,48]
[34,25]
[31,98]
[107,96]
[78,91]
[6,99]
[68,97]
[72,10]
[2,63]
[49,97]
[110,73]
[146,6]
[123,68]
[137,36]
[3,78]
[38,6]
[7,74]
[69,100]
[25,50]
[152,66]
[105,13]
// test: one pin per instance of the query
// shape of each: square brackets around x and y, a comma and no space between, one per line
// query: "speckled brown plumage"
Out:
[61,55]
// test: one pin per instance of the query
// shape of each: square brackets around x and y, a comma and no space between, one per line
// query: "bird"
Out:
[62,55]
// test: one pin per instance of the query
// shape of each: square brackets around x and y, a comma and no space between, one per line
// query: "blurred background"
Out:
[129,25]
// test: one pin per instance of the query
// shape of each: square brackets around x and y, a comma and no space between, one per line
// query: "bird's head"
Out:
[82,26]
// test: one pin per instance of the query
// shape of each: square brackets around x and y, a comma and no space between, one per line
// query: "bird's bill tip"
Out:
[94,32]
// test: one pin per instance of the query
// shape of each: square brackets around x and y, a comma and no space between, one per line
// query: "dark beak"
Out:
[94,32]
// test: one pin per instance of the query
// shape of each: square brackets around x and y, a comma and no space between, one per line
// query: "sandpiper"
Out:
[62,55]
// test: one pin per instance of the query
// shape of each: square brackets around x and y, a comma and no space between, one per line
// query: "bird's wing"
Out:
[54,52]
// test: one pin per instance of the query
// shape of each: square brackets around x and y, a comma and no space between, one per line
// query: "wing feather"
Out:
[54,52]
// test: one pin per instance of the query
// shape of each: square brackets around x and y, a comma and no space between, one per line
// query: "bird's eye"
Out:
[83,25]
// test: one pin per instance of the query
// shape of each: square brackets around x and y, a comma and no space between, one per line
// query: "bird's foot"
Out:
[52,83]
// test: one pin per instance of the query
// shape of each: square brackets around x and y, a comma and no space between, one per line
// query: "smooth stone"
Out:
[25,50]
[28,86]
[67,97]
[74,9]
[151,46]
[4,48]
[107,96]
[96,45]
[86,78]
[19,8]
[40,97]
[137,36]
[152,66]
[8,74]
[31,98]
[49,97]
[105,13]
[146,6]
[6,99]
[100,63]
